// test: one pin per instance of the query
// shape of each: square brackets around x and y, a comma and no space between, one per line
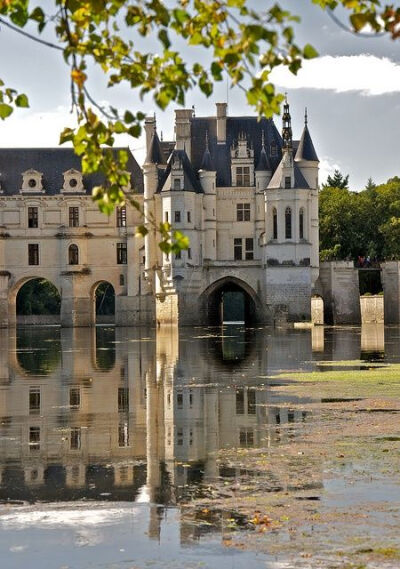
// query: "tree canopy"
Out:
[338,180]
[244,45]
[362,223]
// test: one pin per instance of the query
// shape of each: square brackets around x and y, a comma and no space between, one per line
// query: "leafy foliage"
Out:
[245,45]
[38,296]
[360,223]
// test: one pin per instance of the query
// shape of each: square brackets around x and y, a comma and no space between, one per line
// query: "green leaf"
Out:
[309,52]
[22,101]
[5,110]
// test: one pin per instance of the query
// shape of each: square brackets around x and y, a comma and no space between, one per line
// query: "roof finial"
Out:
[162,136]
[305,117]
[263,139]
[207,148]
[286,125]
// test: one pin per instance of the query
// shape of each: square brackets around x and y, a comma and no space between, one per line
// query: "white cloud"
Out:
[368,74]
[28,129]
[326,168]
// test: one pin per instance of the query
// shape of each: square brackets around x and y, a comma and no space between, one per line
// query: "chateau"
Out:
[245,195]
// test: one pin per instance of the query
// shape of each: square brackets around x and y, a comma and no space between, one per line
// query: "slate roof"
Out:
[306,150]
[207,163]
[299,180]
[221,153]
[155,154]
[52,163]
[191,181]
[264,164]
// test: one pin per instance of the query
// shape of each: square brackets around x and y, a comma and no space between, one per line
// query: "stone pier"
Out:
[341,293]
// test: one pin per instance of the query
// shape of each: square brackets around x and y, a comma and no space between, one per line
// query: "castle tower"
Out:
[207,175]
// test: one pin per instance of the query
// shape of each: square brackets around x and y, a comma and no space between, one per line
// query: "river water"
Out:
[115,443]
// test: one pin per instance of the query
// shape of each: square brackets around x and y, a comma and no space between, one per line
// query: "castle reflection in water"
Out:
[123,414]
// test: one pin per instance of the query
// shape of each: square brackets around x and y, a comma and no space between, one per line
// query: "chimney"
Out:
[221,122]
[183,130]
[149,127]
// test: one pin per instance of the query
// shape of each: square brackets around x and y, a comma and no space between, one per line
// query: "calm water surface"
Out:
[106,435]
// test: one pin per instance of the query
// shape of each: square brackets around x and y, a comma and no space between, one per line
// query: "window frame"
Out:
[73,254]
[73,216]
[121,216]
[243,211]
[33,217]
[288,223]
[122,254]
[33,254]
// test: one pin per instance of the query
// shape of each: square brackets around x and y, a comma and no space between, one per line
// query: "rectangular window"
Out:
[190,398]
[251,402]
[288,182]
[74,397]
[179,437]
[243,176]
[34,438]
[179,400]
[301,224]
[121,216]
[123,434]
[121,280]
[237,249]
[240,402]
[177,184]
[246,438]
[166,217]
[33,217]
[74,216]
[75,438]
[189,217]
[177,217]
[33,254]
[189,253]
[249,255]
[122,254]
[34,400]
[243,212]
[123,398]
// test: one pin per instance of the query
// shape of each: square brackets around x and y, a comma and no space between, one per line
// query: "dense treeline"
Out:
[365,223]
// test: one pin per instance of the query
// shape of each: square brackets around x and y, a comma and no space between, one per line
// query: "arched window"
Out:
[275,223]
[301,223]
[73,255]
[288,223]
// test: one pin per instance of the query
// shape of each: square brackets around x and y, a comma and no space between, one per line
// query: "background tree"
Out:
[244,45]
[338,180]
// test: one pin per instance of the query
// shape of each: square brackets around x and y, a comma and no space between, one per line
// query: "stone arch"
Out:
[102,306]
[16,289]
[213,296]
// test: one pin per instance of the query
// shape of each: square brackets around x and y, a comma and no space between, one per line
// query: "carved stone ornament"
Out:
[32,182]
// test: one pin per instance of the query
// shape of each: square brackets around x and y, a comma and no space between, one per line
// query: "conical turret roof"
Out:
[306,150]
[155,155]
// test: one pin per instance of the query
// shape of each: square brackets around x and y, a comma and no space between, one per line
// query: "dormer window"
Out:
[243,176]
[177,184]
[288,182]
[73,181]
[273,149]
[242,163]
[32,181]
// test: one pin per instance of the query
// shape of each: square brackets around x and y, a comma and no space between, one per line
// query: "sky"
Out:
[352,93]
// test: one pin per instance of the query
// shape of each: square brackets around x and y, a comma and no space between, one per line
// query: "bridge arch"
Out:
[230,299]
[45,299]
[103,297]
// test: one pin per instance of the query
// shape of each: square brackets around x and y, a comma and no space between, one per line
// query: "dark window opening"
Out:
[251,402]
[301,224]
[249,255]
[34,438]
[243,212]
[33,217]
[237,249]
[275,223]
[123,398]
[122,254]
[288,182]
[74,216]
[288,223]
[177,217]
[189,217]
[75,440]
[33,254]
[240,402]
[74,397]
[243,176]
[34,400]
[73,255]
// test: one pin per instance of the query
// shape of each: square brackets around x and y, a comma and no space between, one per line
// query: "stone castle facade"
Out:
[245,195]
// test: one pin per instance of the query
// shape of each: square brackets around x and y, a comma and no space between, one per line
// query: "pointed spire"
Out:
[287,126]
[264,164]
[155,155]
[207,163]
[306,150]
